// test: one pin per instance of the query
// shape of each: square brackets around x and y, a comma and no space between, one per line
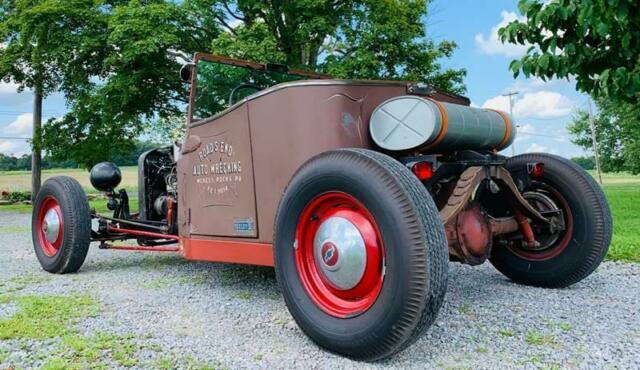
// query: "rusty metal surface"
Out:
[272,136]
[472,177]
[466,184]
[140,248]
[469,230]
[276,89]
[503,179]
[315,119]
[504,225]
[470,234]
[215,176]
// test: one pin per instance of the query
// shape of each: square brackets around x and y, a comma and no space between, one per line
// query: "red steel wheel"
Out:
[50,226]
[339,254]
[547,199]
[61,225]
[564,257]
[360,253]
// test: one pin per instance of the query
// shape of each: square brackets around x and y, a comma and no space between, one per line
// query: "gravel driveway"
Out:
[175,313]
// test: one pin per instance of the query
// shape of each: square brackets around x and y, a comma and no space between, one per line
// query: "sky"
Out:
[541,109]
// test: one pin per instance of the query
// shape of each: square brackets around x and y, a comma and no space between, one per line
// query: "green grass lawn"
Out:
[21,180]
[622,190]
[99,205]
[624,200]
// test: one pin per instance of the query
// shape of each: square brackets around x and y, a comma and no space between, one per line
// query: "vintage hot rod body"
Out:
[358,192]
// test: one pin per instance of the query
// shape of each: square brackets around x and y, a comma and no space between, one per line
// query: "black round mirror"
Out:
[185,72]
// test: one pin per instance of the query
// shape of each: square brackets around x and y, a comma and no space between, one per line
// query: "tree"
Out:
[617,133]
[372,44]
[48,46]
[587,163]
[116,66]
[138,78]
[297,28]
[596,41]
[367,39]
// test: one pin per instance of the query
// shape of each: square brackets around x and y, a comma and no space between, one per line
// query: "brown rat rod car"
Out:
[359,193]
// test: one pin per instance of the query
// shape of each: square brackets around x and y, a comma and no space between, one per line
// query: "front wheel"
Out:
[564,257]
[360,253]
[61,225]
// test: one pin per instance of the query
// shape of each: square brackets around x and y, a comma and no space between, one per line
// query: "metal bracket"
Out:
[469,181]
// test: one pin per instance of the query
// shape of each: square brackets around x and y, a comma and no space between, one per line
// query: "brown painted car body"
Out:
[234,166]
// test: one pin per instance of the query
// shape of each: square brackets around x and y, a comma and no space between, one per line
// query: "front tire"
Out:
[572,255]
[61,225]
[360,253]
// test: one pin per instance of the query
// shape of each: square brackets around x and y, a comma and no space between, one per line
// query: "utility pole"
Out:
[35,151]
[511,95]
[594,142]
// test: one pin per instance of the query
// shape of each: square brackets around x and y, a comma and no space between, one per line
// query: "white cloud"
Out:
[543,104]
[534,84]
[537,148]
[8,88]
[491,44]
[22,126]
[540,104]
[7,147]
[527,128]
[15,148]
[497,102]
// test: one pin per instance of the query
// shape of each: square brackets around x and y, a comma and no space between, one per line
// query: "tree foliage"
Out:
[113,59]
[367,39]
[587,163]
[617,127]
[597,41]
[137,80]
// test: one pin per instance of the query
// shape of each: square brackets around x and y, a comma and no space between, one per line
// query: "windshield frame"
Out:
[238,63]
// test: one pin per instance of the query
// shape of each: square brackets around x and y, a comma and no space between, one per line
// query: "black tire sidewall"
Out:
[362,335]
[76,230]
[591,223]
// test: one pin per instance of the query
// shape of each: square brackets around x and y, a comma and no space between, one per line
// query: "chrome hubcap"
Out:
[340,252]
[51,225]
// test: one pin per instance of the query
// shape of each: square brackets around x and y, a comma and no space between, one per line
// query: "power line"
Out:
[24,112]
[541,135]
[15,138]
[511,95]
[549,118]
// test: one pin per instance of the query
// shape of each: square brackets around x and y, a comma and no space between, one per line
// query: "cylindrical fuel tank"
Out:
[415,123]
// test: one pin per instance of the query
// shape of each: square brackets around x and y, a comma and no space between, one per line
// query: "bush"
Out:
[15,196]
[587,163]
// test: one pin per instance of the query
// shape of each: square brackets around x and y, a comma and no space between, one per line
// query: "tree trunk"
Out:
[35,144]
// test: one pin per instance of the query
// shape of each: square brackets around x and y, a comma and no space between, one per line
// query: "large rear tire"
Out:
[573,254]
[360,253]
[61,225]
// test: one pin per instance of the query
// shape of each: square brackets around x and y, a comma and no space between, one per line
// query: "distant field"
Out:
[21,180]
[622,190]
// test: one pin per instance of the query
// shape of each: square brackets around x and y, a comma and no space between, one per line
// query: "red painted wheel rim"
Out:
[51,245]
[336,301]
[560,245]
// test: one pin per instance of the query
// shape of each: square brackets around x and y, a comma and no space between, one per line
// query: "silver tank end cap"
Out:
[404,123]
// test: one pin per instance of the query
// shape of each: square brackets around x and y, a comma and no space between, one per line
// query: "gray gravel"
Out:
[234,317]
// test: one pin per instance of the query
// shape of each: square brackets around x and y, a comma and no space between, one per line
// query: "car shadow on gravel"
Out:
[175,265]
